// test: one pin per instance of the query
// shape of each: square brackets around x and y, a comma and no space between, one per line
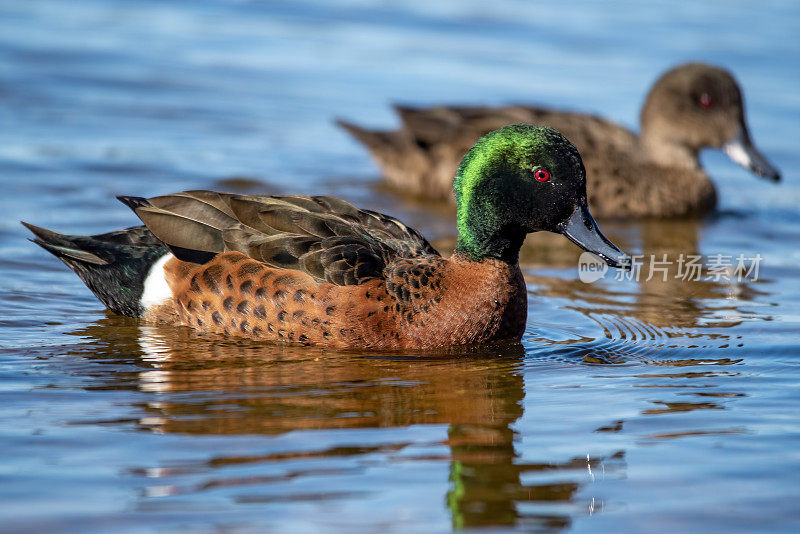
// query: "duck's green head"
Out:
[522,179]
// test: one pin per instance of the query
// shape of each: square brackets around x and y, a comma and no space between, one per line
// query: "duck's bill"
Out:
[742,151]
[581,229]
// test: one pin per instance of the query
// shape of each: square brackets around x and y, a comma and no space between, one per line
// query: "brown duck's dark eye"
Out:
[705,101]
[542,175]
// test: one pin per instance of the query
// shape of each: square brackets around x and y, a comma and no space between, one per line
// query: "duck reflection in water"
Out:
[223,387]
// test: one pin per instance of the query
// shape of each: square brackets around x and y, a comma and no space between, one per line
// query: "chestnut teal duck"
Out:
[318,270]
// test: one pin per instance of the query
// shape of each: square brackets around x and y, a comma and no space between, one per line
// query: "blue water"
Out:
[628,407]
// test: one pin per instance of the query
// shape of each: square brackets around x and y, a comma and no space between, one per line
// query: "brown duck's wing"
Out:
[592,135]
[461,126]
[447,124]
[325,237]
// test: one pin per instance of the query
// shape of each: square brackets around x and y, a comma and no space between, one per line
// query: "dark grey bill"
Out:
[581,229]
[742,151]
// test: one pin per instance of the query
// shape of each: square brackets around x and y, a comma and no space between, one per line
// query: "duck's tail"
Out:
[383,144]
[368,138]
[114,266]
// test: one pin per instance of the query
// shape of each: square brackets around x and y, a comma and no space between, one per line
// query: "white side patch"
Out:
[156,290]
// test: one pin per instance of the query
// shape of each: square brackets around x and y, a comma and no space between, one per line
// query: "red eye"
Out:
[541,175]
[706,102]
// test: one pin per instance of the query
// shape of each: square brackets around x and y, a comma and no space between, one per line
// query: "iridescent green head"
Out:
[522,179]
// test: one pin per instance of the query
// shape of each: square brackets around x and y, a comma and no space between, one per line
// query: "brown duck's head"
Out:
[696,106]
[522,179]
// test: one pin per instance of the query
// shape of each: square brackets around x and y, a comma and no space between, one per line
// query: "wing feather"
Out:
[325,237]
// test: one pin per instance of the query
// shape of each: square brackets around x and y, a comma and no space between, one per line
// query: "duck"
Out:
[316,270]
[656,173]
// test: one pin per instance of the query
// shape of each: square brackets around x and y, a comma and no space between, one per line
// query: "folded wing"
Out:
[325,237]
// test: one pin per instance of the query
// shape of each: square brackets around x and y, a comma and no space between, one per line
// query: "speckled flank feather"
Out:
[423,302]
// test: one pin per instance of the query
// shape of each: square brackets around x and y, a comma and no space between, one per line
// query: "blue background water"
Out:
[628,407]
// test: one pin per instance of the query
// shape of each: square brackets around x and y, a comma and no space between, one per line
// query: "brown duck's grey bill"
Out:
[581,229]
[742,151]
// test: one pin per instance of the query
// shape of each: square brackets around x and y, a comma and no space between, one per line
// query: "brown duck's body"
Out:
[655,174]
[622,180]
[422,303]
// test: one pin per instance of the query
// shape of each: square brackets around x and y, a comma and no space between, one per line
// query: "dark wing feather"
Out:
[326,237]
[461,126]
[448,124]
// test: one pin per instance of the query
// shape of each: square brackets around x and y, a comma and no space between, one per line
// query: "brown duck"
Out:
[317,270]
[654,174]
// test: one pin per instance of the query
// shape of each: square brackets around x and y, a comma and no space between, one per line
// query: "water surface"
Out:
[628,407]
